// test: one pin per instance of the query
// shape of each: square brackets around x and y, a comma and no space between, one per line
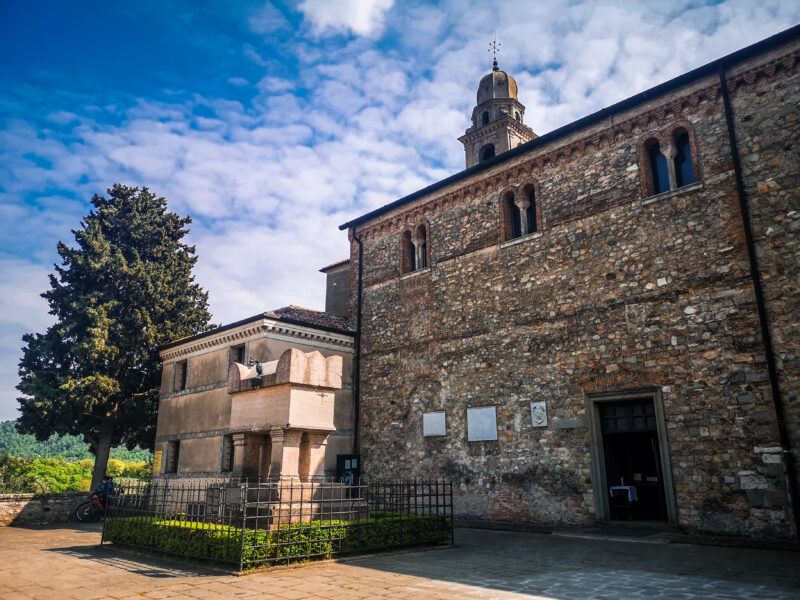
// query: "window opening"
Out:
[237,354]
[684,171]
[487,152]
[173,455]
[181,375]
[531,212]
[485,118]
[516,221]
[227,454]
[658,169]
[422,248]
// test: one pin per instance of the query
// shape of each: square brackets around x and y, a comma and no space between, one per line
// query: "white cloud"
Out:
[269,181]
[267,19]
[361,17]
[22,310]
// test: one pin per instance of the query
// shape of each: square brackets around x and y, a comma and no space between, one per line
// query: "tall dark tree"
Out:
[122,291]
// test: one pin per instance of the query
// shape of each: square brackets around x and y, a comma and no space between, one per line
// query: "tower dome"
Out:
[497,119]
[497,84]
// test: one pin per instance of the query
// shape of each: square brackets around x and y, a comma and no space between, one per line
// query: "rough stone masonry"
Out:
[618,291]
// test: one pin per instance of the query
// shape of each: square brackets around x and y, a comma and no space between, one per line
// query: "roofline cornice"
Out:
[248,329]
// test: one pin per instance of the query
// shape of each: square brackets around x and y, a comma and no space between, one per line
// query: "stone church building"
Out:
[598,323]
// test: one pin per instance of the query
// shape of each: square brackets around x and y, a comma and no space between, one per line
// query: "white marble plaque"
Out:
[481,424]
[433,423]
[538,414]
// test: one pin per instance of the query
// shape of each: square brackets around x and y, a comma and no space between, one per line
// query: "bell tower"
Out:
[497,119]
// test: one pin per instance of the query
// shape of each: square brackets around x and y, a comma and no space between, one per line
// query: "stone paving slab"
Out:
[51,562]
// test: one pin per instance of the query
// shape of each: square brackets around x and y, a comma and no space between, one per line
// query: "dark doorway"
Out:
[635,483]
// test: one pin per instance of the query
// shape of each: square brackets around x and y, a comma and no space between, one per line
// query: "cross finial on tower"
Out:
[494,48]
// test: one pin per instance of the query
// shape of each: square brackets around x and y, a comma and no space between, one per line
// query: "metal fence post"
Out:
[243,491]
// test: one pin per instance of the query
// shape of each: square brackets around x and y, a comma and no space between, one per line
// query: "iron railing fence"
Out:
[260,523]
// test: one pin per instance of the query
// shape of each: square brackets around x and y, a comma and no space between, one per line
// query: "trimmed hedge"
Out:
[298,542]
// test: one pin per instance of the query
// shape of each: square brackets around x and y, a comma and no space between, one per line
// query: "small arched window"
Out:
[485,118]
[407,252]
[659,170]
[518,117]
[684,171]
[422,248]
[531,211]
[487,152]
[516,221]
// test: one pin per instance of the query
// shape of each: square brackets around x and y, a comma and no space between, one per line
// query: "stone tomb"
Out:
[281,417]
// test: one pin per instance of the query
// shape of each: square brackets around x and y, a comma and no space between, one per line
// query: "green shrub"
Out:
[297,542]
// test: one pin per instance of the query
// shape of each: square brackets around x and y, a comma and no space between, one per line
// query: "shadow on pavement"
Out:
[131,562]
[551,566]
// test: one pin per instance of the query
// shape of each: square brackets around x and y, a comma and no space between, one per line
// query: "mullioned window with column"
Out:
[668,160]
[415,249]
[520,212]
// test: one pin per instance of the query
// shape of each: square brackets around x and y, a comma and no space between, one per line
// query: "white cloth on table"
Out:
[631,489]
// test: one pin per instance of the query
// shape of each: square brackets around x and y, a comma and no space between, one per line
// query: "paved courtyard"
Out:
[66,562]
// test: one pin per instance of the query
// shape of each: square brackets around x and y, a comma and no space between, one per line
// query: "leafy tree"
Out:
[124,290]
[68,447]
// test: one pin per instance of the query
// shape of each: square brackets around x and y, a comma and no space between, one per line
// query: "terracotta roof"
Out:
[315,318]
[338,263]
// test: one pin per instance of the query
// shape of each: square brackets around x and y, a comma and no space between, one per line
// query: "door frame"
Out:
[599,482]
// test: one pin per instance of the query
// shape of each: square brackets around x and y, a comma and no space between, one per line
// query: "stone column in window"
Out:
[417,252]
[669,153]
[523,204]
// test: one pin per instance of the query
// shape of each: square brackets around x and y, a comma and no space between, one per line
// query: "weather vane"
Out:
[494,48]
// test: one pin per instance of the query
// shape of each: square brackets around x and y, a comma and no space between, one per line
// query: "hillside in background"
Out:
[70,447]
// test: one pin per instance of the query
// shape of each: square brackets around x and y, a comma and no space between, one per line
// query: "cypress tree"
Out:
[124,289]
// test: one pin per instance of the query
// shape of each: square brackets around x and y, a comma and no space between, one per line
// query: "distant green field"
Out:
[70,447]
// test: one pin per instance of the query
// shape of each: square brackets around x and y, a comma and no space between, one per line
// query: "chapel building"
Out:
[600,323]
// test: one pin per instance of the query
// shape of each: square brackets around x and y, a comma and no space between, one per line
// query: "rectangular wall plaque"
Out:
[433,424]
[538,414]
[481,424]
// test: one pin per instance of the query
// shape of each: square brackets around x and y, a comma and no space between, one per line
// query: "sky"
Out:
[272,123]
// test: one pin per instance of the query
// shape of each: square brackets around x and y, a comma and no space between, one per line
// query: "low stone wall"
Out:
[18,509]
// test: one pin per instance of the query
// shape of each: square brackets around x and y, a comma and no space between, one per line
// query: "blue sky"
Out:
[273,123]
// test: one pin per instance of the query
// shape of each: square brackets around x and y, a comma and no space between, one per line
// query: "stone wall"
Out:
[21,509]
[618,291]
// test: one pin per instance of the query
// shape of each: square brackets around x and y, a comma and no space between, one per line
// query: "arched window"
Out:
[487,152]
[485,118]
[518,117]
[422,248]
[684,171]
[531,211]
[516,221]
[659,170]
[407,253]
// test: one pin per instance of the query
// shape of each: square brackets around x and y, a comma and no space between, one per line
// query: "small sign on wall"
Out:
[538,414]
[481,424]
[157,456]
[434,424]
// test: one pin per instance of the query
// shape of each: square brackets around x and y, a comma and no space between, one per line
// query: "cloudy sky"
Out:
[273,123]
